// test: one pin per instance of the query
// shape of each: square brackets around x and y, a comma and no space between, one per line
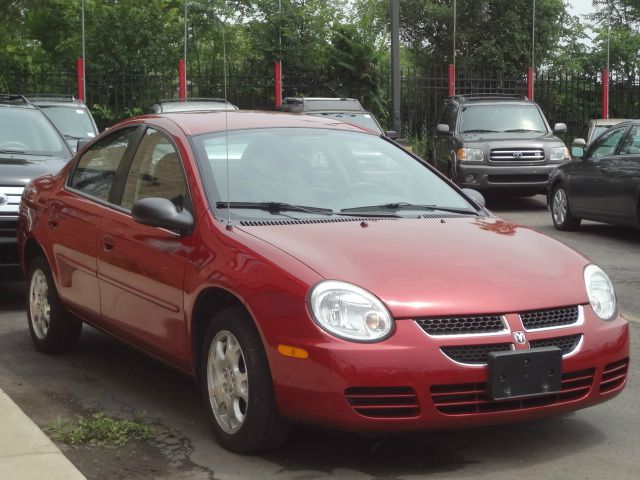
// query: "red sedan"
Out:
[306,270]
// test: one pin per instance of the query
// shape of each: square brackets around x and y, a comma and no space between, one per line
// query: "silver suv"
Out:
[497,143]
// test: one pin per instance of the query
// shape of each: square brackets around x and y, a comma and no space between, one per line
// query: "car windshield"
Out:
[72,121]
[363,119]
[283,169]
[26,131]
[501,118]
[599,129]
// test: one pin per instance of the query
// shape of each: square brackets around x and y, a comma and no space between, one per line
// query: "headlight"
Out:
[470,155]
[559,154]
[600,291]
[349,312]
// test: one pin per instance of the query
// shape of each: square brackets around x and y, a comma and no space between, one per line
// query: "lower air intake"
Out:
[383,402]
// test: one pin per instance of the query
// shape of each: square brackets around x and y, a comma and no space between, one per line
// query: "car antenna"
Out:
[226,123]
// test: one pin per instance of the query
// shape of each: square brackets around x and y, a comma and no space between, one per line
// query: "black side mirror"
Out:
[161,212]
[559,128]
[442,129]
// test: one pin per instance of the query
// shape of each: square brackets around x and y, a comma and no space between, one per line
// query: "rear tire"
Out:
[237,387]
[561,214]
[52,328]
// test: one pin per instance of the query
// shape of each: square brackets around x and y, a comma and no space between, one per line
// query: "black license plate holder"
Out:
[524,373]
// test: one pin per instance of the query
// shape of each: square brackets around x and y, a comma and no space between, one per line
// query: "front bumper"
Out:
[407,383]
[503,177]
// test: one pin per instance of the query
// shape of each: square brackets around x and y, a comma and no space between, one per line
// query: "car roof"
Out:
[196,123]
[608,121]
[193,103]
[493,98]
[14,100]
[57,99]
[322,104]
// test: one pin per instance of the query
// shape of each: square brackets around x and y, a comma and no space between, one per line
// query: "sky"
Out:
[581,7]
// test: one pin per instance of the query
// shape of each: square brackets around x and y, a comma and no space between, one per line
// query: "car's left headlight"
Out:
[600,291]
[559,154]
[349,312]
[470,155]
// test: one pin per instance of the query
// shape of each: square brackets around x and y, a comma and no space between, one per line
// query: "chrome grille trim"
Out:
[569,344]
[516,155]
[14,193]
[454,353]
[579,320]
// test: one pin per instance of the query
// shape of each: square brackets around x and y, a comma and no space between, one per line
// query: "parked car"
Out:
[343,109]
[497,143]
[603,184]
[70,115]
[29,146]
[298,283]
[595,127]
[191,105]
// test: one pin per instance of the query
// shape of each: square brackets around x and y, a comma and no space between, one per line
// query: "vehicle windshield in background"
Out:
[27,132]
[501,118]
[362,119]
[598,129]
[321,169]
[71,121]
[195,106]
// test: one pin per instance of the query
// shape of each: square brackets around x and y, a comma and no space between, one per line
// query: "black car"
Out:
[602,184]
[70,115]
[497,143]
[30,146]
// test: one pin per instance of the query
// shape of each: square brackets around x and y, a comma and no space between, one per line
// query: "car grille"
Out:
[9,211]
[516,155]
[518,178]
[462,325]
[566,344]
[549,318]
[383,402]
[471,398]
[614,376]
[474,354]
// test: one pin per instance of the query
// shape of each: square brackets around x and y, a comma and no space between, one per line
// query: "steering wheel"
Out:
[14,145]
[364,187]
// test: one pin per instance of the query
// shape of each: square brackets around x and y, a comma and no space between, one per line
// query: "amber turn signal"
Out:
[295,352]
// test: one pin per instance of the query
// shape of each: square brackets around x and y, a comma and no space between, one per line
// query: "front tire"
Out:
[237,387]
[561,214]
[52,328]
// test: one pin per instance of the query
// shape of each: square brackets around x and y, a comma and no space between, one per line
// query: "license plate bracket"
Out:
[524,373]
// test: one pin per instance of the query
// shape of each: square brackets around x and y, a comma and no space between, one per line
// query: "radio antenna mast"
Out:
[226,122]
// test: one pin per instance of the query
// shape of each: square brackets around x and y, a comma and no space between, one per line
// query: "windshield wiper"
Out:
[72,137]
[479,130]
[409,206]
[516,130]
[275,207]
[24,152]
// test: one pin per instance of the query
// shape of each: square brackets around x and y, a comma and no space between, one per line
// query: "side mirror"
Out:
[474,195]
[560,128]
[579,142]
[161,212]
[392,134]
[82,143]
[442,129]
[578,147]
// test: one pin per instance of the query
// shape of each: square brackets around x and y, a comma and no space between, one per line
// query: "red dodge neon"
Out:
[306,270]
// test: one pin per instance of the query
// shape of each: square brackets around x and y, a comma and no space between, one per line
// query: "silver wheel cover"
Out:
[560,206]
[39,308]
[227,382]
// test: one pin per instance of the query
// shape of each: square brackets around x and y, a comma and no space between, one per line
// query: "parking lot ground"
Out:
[103,375]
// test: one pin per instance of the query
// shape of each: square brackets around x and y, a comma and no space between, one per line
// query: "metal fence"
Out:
[569,99]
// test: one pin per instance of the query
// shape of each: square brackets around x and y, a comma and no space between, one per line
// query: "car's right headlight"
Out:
[470,155]
[349,312]
[600,291]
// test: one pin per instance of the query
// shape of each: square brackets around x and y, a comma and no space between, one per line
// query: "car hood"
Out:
[424,267]
[18,170]
[512,139]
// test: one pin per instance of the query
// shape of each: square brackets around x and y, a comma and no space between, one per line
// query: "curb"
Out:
[631,318]
[26,452]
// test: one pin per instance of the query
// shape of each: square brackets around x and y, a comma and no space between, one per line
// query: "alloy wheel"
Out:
[39,304]
[560,206]
[227,382]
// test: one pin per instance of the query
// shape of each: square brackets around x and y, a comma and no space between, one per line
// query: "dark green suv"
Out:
[497,143]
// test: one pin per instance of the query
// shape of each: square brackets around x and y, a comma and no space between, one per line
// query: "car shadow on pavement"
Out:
[506,203]
[13,296]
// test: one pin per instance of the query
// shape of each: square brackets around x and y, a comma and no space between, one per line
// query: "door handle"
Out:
[54,220]
[108,243]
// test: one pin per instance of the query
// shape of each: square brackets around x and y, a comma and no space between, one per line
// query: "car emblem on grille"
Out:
[3,199]
[519,337]
[517,154]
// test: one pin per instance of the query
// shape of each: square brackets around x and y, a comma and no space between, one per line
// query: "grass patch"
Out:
[100,430]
